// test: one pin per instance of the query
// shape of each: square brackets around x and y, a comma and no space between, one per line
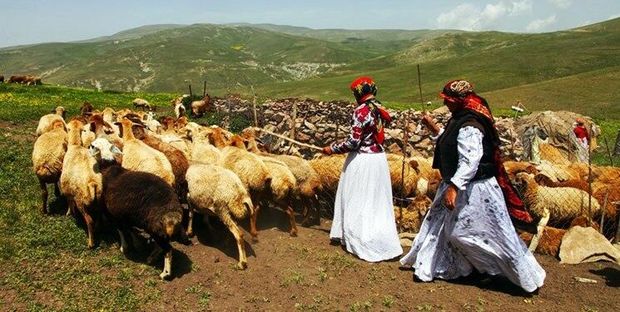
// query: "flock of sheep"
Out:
[138,173]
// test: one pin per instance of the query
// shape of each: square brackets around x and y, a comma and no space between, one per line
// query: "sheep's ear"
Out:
[115,150]
[92,127]
[93,151]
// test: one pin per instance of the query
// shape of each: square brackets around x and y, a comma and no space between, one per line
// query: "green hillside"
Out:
[570,69]
[576,61]
[167,57]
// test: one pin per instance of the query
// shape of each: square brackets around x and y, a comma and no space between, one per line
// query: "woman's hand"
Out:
[449,197]
[327,150]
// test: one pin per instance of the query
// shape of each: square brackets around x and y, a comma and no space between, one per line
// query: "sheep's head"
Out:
[59,110]
[180,123]
[103,150]
[522,180]
[237,141]
[172,224]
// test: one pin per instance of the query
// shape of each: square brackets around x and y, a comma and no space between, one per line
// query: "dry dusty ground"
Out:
[307,273]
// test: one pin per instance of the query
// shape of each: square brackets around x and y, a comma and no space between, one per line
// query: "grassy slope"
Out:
[493,61]
[219,54]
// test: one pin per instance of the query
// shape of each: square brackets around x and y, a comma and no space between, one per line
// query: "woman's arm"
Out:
[470,152]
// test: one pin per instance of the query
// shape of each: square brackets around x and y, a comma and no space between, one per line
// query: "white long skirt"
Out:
[477,234]
[363,214]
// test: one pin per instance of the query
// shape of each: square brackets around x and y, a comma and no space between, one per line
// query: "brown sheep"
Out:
[199,108]
[142,200]
[413,215]
[47,158]
[177,159]
[17,79]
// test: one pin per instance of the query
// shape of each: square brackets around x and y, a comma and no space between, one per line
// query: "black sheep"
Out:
[139,199]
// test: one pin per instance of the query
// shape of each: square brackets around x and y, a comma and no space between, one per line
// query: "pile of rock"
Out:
[321,123]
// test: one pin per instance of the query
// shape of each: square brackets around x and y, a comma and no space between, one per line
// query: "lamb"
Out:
[199,108]
[219,191]
[142,103]
[138,156]
[46,121]
[142,200]
[47,158]
[80,180]
[552,203]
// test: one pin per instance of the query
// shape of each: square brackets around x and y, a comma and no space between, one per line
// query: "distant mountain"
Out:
[295,61]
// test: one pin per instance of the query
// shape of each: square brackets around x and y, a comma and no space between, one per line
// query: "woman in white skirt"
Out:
[468,225]
[363,214]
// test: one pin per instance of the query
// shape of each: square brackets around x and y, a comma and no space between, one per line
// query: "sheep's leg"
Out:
[234,229]
[166,274]
[124,245]
[43,196]
[291,216]
[253,218]
[190,223]
[311,204]
[540,230]
[164,244]
[90,226]
[71,207]
[57,191]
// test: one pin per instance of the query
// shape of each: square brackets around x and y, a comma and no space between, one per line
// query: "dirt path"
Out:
[307,273]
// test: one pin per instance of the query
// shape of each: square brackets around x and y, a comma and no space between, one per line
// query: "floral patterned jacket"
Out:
[364,129]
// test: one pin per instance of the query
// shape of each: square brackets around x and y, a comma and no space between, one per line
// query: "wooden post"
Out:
[204,89]
[293,118]
[254,107]
[589,223]
[602,224]
[420,86]
[190,91]
[611,157]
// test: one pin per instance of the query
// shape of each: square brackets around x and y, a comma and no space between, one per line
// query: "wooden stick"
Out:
[289,139]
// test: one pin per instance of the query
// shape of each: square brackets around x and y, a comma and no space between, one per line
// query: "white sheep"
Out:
[46,121]
[556,204]
[219,191]
[142,103]
[138,156]
[47,158]
[80,180]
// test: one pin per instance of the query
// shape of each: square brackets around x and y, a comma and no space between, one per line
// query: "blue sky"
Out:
[29,21]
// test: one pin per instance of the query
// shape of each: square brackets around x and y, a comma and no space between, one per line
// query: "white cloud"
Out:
[467,16]
[562,4]
[541,24]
